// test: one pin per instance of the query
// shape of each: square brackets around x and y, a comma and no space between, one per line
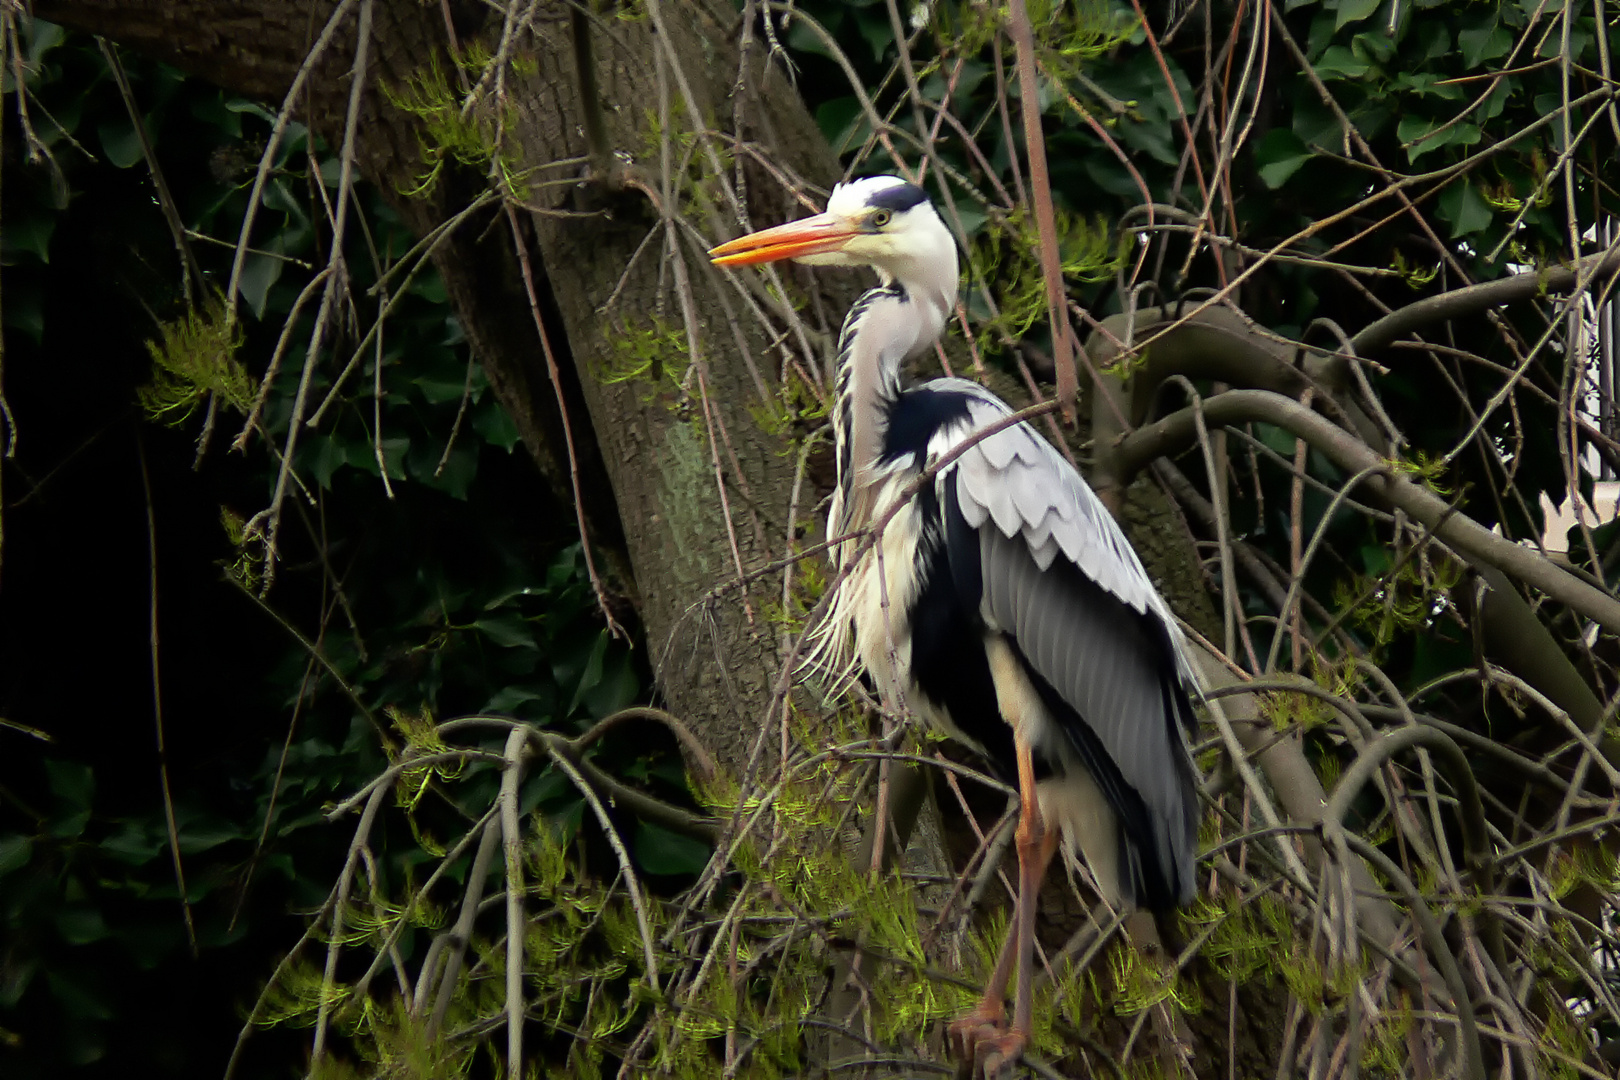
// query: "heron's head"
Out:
[879,221]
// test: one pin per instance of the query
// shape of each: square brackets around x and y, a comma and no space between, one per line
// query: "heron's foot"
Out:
[976,1040]
[996,1057]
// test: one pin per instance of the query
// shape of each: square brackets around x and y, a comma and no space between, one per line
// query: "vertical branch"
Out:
[340,903]
[275,793]
[190,272]
[456,938]
[1006,120]
[568,431]
[602,163]
[274,367]
[512,848]
[1068,380]
[631,884]
[8,426]
[338,280]
[157,696]
[1296,539]
[376,412]
[267,159]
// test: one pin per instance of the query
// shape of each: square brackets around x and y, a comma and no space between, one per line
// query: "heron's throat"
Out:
[887,326]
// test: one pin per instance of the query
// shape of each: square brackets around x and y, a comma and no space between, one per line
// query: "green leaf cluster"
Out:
[193,357]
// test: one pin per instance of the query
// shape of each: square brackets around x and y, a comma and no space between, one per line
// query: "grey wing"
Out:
[1044,561]
[1108,677]
[1017,480]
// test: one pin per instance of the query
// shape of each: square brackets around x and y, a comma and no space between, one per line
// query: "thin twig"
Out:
[597,590]
[157,696]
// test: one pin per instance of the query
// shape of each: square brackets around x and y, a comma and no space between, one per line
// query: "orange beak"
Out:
[807,236]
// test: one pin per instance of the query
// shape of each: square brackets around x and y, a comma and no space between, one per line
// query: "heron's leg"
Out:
[1036,846]
[979,1037]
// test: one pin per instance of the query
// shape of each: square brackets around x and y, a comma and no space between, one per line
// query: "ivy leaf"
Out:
[1151,139]
[1109,175]
[876,30]
[1374,45]
[260,270]
[252,108]
[1354,11]
[455,479]
[41,37]
[1339,62]
[430,287]
[72,782]
[1435,653]
[23,310]
[1433,38]
[440,388]
[1483,43]
[15,852]
[1275,438]
[592,675]
[1279,155]
[800,38]
[322,456]
[1375,558]
[120,143]
[507,629]
[199,836]
[546,787]
[28,234]
[508,699]
[75,997]
[213,110]
[1465,208]
[80,924]
[394,450]
[617,689]
[842,121]
[495,426]
[132,844]
[1414,133]
[660,851]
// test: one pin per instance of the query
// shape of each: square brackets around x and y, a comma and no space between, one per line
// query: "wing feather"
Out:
[1059,579]
[1111,676]
[1015,478]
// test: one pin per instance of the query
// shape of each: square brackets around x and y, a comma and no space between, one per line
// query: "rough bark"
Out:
[664,435]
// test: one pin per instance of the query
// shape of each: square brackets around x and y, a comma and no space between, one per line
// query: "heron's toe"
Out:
[996,1057]
[969,1032]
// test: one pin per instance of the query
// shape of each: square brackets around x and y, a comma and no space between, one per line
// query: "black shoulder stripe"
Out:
[916,416]
[962,545]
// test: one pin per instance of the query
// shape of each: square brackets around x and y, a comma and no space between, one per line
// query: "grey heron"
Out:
[1002,604]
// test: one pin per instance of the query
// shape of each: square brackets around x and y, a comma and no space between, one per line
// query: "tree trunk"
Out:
[650,355]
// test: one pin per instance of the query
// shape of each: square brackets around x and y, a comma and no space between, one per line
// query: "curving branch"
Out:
[1465,536]
[1478,298]
[1215,343]
[618,794]
[1438,950]
[1477,850]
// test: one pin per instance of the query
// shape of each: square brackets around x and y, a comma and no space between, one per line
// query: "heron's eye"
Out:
[881,218]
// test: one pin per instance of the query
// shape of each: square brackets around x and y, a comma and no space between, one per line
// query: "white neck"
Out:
[889,325]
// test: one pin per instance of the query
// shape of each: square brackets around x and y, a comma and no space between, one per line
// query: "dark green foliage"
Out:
[463,592]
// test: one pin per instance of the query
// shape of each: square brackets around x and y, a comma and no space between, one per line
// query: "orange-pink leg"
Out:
[980,1041]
